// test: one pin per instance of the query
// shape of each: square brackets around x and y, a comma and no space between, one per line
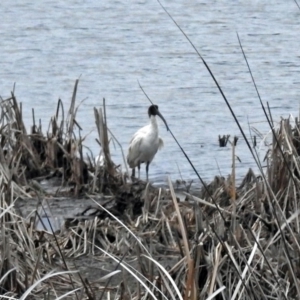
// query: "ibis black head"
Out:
[153,111]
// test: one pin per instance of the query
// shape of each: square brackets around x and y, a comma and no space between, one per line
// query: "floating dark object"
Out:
[223,140]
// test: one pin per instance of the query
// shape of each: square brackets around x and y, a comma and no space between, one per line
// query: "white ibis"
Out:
[145,142]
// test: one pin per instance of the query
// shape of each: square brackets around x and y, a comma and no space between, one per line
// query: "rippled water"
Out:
[46,45]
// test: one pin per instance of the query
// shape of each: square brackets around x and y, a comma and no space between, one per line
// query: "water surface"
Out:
[46,45]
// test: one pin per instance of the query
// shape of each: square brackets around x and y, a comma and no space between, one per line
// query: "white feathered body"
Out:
[144,144]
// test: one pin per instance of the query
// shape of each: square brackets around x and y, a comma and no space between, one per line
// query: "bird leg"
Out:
[133,173]
[147,169]
[139,167]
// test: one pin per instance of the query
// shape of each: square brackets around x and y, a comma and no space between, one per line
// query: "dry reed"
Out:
[159,247]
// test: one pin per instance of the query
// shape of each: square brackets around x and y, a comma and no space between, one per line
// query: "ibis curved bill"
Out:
[145,142]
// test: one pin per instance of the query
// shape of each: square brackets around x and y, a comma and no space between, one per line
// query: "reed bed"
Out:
[227,242]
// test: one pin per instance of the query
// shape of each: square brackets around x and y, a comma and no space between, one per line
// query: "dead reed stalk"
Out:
[167,249]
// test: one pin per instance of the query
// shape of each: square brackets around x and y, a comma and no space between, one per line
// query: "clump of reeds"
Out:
[58,153]
[32,262]
[228,243]
[212,246]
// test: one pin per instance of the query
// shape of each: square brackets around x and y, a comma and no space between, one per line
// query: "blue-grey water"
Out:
[46,45]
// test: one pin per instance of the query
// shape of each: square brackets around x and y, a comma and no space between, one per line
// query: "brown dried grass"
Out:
[248,248]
